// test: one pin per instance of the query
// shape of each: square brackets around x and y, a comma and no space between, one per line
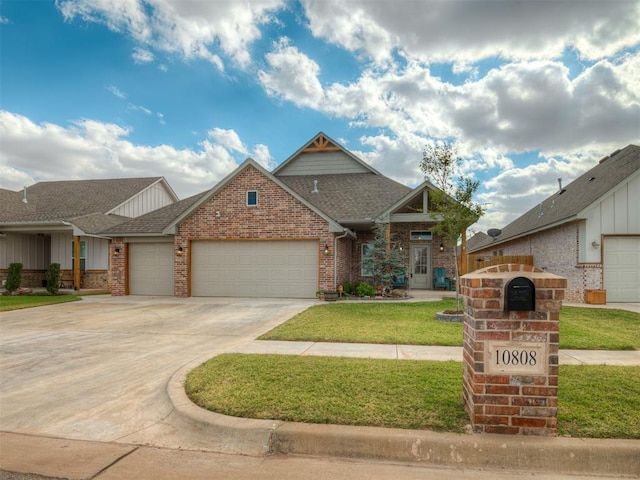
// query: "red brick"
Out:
[528,422]
[501,390]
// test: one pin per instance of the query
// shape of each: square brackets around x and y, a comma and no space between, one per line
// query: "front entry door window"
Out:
[420,266]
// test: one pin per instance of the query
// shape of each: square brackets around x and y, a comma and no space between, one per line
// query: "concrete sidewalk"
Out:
[420,352]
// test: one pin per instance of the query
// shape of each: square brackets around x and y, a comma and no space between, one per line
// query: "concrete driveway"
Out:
[98,369]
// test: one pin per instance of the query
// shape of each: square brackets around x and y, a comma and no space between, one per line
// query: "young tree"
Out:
[383,259]
[453,202]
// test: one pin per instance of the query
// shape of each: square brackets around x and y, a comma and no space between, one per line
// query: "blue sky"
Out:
[529,91]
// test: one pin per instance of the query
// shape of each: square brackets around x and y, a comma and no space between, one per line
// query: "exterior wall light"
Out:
[442,247]
[595,244]
[179,251]
[117,251]
[326,249]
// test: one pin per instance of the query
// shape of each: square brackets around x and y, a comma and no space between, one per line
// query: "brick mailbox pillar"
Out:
[511,337]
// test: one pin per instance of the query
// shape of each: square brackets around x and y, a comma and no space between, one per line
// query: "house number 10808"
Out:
[516,357]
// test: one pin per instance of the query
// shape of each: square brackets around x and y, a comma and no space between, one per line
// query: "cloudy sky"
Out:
[530,91]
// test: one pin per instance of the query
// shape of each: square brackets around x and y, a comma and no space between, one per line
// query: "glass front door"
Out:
[420,266]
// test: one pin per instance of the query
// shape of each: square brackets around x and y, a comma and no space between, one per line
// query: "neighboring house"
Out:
[287,233]
[58,222]
[588,231]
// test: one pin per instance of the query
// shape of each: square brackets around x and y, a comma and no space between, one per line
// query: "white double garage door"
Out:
[251,268]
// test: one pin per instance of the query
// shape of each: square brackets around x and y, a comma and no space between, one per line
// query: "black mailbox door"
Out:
[520,295]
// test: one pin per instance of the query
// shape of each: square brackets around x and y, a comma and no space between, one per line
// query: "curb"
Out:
[561,455]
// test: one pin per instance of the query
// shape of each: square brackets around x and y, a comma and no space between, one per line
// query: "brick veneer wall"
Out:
[401,233]
[278,216]
[118,267]
[556,251]
[510,403]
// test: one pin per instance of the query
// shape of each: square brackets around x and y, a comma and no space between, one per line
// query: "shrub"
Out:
[53,278]
[14,277]
[365,290]
[349,287]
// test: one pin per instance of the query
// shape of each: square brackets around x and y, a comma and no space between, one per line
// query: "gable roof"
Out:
[84,203]
[351,198]
[322,143]
[565,206]
[155,222]
[248,163]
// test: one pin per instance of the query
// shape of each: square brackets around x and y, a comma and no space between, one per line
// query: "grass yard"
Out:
[594,401]
[16,302]
[415,324]
[382,322]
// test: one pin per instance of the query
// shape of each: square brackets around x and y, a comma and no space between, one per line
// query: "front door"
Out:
[420,267]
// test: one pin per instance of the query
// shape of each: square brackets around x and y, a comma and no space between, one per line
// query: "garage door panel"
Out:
[256,268]
[151,269]
[621,268]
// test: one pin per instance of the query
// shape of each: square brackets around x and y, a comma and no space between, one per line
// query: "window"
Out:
[252,198]
[365,270]
[420,235]
[83,255]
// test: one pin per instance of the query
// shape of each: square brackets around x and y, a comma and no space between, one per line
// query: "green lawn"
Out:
[594,401]
[415,324]
[15,302]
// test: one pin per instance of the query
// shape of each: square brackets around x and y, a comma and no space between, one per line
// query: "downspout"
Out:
[335,257]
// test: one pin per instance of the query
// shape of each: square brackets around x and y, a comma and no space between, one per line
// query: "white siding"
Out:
[148,200]
[61,250]
[97,253]
[323,163]
[617,213]
[30,250]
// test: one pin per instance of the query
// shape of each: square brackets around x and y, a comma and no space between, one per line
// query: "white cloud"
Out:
[116,91]
[141,55]
[228,139]
[90,149]
[4,20]
[472,30]
[292,76]
[191,29]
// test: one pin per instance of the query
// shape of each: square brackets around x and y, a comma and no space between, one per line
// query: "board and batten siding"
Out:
[323,163]
[617,213]
[97,251]
[30,250]
[152,198]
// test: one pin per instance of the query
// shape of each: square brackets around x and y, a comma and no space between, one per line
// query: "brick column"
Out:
[511,356]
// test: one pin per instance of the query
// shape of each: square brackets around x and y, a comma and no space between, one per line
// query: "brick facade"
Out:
[556,251]
[520,401]
[277,216]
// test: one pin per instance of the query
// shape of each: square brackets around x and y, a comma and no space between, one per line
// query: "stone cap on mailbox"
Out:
[484,289]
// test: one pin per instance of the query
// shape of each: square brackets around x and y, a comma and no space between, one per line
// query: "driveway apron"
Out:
[97,369]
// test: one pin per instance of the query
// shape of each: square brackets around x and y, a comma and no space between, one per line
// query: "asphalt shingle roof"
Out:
[348,197]
[55,201]
[154,222]
[575,197]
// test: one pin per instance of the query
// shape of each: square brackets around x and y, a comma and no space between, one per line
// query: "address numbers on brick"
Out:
[516,358]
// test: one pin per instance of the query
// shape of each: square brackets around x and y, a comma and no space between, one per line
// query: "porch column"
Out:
[76,263]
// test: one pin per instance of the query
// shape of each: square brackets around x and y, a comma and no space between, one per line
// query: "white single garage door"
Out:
[287,269]
[621,268]
[151,268]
